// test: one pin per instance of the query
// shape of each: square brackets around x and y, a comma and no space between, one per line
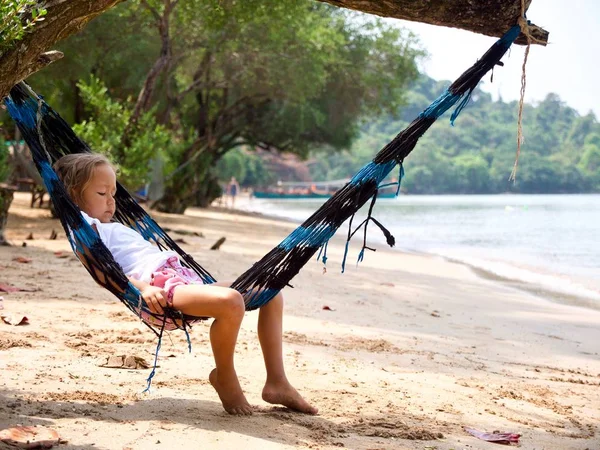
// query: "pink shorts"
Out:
[168,277]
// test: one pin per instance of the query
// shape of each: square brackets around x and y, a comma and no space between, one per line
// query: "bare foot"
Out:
[285,394]
[230,393]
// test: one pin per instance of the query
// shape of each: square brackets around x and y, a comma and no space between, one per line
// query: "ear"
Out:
[77,199]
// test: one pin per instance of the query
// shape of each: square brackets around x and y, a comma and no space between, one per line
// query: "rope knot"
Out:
[523,24]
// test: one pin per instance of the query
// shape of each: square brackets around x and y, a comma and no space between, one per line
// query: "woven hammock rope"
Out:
[49,137]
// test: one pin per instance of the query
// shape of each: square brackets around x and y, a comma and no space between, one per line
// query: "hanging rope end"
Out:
[513,173]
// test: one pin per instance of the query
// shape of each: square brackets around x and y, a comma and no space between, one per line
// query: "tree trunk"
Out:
[6,198]
[178,194]
[161,65]
[209,190]
[177,201]
[171,202]
[489,17]
[64,18]
[192,186]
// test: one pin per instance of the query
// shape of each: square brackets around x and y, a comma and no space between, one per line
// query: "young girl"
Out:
[90,180]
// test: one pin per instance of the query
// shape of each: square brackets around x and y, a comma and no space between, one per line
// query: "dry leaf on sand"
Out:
[30,437]
[124,362]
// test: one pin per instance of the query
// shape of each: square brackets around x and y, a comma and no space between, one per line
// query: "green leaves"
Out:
[561,152]
[103,131]
[17,17]
[287,75]
[246,167]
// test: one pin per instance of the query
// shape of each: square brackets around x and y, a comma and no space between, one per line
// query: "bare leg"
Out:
[227,308]
[277,389]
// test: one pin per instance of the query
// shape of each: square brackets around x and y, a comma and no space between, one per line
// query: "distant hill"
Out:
[561,152]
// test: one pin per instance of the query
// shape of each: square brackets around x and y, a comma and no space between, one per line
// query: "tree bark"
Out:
[160,65]
[6,197]
[64,18]
[489,17]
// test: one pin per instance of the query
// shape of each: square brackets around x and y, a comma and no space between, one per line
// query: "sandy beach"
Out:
[410,350]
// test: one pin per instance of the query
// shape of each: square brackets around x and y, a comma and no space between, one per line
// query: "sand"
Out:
[412,349]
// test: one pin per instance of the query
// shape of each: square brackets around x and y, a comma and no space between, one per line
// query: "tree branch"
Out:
[489,17]
[64,18]
[161,65]
[200,84]
[240,106]
[42,61]
[153,11]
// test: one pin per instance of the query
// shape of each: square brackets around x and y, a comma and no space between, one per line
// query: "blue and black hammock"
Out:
[49,137]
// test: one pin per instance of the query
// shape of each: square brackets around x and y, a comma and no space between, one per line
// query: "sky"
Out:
[568,66]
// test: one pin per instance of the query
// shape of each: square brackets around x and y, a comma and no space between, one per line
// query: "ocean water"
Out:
[545,242]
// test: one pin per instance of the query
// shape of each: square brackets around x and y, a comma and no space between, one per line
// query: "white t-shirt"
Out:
[137,257]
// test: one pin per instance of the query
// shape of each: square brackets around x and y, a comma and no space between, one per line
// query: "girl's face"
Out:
[98,197]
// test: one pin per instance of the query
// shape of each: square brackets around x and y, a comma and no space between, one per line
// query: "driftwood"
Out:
[64,18]
[217,245]
[489,17]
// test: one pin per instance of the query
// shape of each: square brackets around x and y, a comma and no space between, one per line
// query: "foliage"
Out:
[288,75]
[4,166]
[561,153]
[103,133]
[5,136]
[245,166]
[102,50]
[17,17]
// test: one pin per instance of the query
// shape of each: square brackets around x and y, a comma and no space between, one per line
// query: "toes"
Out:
[289,397]
[245,410]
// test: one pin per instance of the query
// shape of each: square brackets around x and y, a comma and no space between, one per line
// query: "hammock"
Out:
[50,137]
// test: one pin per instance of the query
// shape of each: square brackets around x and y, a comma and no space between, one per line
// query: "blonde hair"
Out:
[76,171]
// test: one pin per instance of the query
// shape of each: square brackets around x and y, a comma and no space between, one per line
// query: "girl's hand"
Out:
[155,298]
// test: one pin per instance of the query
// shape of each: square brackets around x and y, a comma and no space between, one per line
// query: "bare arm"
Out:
[154,296]
[141,285]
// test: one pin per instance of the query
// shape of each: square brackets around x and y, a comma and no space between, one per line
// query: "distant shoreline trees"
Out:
[561,153]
